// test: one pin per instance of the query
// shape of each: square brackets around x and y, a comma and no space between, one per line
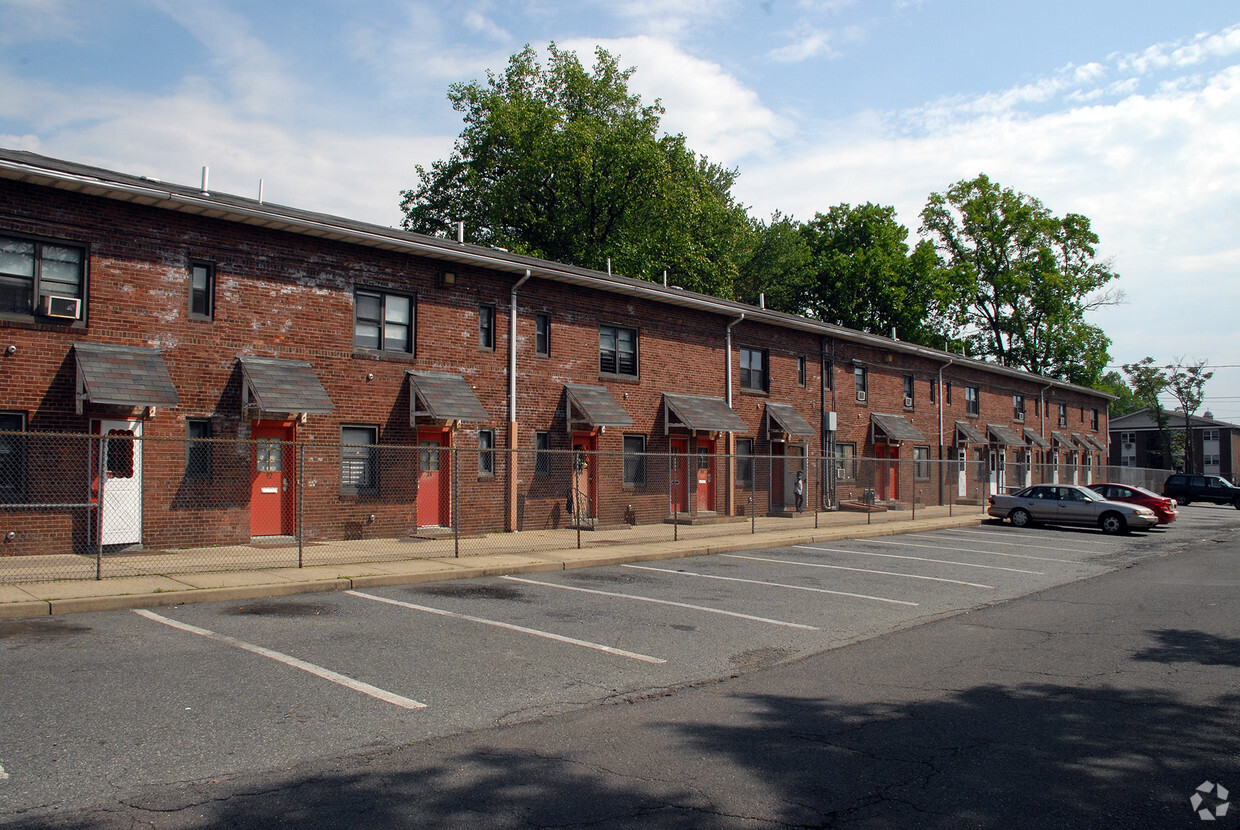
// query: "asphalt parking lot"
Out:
[114,701]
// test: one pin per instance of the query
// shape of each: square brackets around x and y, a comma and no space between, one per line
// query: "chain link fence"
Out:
[97,506]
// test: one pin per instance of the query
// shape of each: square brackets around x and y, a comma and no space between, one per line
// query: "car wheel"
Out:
[1185,501]
[1113,523]
[1236,504]
[1020,518]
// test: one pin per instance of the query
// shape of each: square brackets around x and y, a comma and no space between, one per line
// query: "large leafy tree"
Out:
[1147,381]
[775,266]
[562,162]
[1186,383]
[1023,280]
[862,275]
[1126,401]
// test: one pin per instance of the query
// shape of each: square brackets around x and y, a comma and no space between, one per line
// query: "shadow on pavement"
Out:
[1043,755]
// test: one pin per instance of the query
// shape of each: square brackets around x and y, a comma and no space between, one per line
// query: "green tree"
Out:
[862,275]
[1021,279]
[1126,401]
[565,163]
[1147,381]
[1186,383]
[775,266]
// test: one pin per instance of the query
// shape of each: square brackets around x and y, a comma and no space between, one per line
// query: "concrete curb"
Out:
[269,584]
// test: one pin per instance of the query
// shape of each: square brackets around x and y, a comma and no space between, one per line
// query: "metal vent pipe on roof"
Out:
[205,173]
[460,231]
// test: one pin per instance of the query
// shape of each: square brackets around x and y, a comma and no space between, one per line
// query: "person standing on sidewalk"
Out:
[798,490]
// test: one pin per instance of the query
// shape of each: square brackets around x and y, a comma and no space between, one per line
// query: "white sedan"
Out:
[1070,504]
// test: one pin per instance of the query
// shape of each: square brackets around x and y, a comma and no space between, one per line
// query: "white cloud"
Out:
[719,116]
[416,55]
[1157,174]
[809,45]
[1181,54]
[256,78]
[480,24]
[27,20]
[668,18]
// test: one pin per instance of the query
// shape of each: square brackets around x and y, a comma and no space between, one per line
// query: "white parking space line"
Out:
[974,550]
[921,559]
[858,570]
[639,598]
[770,584]
[997,536]
[559,638]
[317,671]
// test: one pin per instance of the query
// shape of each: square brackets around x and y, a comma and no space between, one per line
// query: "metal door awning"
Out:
[1063,439]
[897,428]
[443,397]
[1005,435]
[700,413]
[276,387]
[786,419]
[593,406]
[1093,442]
[1034,438]
[970,433]
[122,376]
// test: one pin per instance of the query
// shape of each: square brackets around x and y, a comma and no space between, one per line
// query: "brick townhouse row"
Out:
[268,357]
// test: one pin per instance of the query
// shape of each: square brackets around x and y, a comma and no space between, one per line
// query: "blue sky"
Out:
[1125,111]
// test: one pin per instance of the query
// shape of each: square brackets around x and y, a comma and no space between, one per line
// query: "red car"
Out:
[1163,507]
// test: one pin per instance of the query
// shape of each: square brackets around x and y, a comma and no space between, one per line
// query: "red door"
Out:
[887,476]
[434,479]
[585,479]
[679,471]
[272,479]
[705,475]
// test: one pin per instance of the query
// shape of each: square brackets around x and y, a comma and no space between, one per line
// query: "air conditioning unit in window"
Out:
[66,308]
[908,402]
[861,397]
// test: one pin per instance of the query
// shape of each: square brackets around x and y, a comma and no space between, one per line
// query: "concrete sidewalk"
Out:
[526,552]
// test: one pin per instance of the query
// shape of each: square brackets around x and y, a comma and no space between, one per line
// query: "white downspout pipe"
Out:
[512,349]
[511,517]
[941,368]
[730,500]
[728,367]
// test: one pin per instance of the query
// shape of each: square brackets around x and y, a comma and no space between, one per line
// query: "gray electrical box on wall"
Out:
[830,422]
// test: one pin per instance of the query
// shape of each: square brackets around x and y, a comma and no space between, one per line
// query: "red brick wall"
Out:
[279,294]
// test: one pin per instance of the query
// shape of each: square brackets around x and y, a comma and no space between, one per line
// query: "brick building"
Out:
[237,358]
